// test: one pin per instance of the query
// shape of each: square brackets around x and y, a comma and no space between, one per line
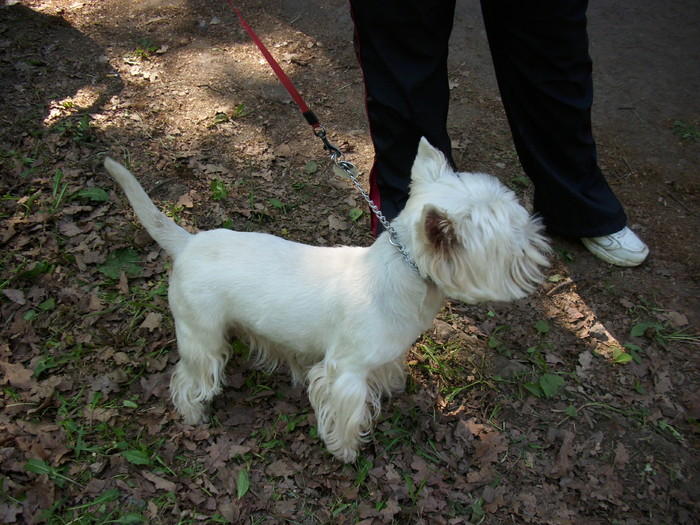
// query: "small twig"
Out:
[212,88]
[633,109]
[160,183]
[629,169]
[565,283]
[679,202]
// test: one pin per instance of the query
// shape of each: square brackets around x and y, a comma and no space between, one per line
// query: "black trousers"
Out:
[540,54]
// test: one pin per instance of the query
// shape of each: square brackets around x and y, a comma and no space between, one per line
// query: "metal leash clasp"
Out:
[332,149]
[341,168]
[345,169]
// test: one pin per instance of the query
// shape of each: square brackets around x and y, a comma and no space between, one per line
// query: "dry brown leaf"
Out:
[123,285]
[187,200]
[9,513]
[160,483]
[69,228]
[622,457]
[574,313]
[281,468]
[677,319]
[95,303]
[563,464]
[585,359]
[223,449]
[152,321]
[99,414]
[16,296]
[17,375]
[336,223]
[48,387]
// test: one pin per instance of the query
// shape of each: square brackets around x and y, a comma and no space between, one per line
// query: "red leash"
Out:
[288,85]
[341,167]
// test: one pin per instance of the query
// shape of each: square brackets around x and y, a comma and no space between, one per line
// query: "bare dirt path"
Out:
[577,405]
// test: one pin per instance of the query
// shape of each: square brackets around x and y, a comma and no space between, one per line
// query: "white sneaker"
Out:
[623,248]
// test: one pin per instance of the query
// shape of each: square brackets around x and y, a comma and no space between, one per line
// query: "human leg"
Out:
[540,54]
[402,49]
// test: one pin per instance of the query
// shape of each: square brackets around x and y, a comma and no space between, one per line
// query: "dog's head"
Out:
[469,233]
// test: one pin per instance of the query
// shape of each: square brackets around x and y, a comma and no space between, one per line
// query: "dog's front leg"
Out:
[339,395]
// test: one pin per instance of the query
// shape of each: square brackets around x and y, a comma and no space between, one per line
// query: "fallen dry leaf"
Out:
[18,376]
[16,296]
[160,483]
[152,321]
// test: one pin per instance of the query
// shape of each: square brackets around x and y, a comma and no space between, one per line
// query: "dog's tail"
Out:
[164,231]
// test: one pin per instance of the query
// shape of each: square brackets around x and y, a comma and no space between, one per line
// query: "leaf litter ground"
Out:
[576,405]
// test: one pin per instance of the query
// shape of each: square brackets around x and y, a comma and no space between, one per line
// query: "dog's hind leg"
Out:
[198,376]
[340,399]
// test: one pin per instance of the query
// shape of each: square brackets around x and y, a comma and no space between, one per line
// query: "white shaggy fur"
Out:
[341,318]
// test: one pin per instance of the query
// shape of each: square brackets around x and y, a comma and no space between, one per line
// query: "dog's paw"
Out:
[346,455]
[191,413]
[194,419]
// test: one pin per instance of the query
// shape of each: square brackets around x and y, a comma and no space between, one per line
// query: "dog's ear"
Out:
[430,163]
[439,230]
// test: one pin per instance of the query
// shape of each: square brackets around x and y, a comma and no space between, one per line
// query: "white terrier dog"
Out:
[341,318]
